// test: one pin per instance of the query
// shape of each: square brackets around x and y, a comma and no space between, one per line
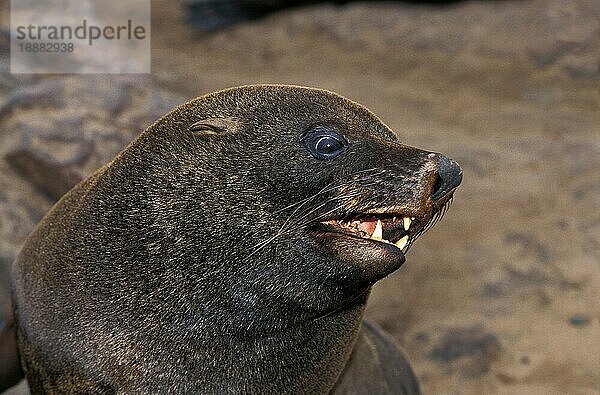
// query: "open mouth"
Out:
[384,228]
[396,229]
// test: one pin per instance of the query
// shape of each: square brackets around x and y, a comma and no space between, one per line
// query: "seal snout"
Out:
[449,176]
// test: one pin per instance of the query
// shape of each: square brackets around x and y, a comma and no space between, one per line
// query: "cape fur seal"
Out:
[230,249]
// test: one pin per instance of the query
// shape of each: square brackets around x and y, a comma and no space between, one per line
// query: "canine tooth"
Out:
[406,222]
[378,232]
[394,219]
[402,242]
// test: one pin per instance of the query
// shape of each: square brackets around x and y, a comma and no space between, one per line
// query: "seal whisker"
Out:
[323,190]
[321,216]
[263,244]
[328,188]
[326,202]
[283,230]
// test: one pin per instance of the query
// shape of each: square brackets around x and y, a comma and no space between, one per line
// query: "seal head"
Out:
[248,224]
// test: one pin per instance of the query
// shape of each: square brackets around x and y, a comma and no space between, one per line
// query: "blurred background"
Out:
[503,295]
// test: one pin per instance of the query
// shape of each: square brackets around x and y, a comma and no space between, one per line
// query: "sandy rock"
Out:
[44,94]
[470,349]
[48,175]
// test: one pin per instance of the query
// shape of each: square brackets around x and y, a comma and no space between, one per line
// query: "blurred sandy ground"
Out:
[502,296]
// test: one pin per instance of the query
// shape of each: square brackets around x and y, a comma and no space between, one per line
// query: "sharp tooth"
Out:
[394,219]
[402,242]
[378,232]
[406,222]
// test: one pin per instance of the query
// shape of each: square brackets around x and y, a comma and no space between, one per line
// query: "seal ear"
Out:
[212,126]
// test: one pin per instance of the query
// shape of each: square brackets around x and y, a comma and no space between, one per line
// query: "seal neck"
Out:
[304,358]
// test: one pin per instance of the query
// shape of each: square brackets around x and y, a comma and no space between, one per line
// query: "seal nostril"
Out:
[449,176]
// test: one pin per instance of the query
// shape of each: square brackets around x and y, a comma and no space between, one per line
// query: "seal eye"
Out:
[324,143]
[328,145]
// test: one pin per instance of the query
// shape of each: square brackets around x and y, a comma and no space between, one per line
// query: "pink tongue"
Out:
[367,226]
